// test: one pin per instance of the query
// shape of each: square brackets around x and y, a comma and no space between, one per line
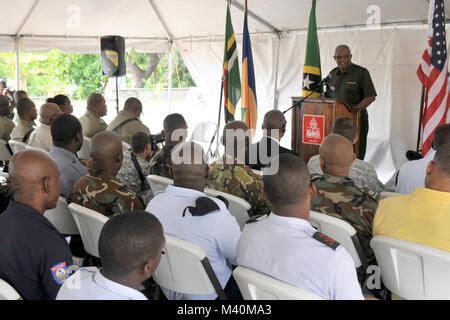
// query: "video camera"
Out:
[155,139]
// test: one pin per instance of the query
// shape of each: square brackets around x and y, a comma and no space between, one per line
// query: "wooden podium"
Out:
[313,120]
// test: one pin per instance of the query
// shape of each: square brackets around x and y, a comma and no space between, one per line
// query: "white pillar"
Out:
[277,62]
[17,64]
[169,89]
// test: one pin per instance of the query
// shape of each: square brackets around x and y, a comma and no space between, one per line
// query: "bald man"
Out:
[231,175]
[274,128]
[41,137]
[100,190]
[26,109]
[186,212]
[337,194]
[92,121]
[127,122]
[34,256]
[6,125]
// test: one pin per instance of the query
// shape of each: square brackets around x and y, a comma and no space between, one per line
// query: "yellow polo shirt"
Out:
[423,216]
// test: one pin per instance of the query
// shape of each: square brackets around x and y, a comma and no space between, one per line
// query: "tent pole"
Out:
[17,64]
[169,77]
[277,59]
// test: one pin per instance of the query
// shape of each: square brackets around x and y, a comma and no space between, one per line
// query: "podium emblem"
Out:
[313,129]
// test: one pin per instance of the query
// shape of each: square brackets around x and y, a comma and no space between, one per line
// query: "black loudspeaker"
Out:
[113,56]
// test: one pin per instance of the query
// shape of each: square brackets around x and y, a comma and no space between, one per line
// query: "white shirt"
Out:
[217,233]
[89,284]
[412,174]
[284,248]
[41,137]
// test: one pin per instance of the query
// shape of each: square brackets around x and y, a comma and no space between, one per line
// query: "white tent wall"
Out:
[391,55]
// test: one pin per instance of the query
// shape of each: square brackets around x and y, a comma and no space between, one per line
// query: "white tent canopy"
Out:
[386,36]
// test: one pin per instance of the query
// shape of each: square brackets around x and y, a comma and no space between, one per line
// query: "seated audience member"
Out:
[274,127]
[285,246]
[412,174]
[130,250]
[63,103]
[41,137]
[422,216]
[136,167]
[27,112]
[160,163]
[91,121]
[20,94]
[34,256]
[67,141]
[100,190]
[187,213]
[6,125]
[232,176]
[337,194]
[361,172]
[127,121]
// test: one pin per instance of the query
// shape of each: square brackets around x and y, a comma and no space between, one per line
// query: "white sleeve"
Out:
[344,283]
[227,235]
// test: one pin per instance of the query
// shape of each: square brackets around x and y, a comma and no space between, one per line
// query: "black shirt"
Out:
[34,256]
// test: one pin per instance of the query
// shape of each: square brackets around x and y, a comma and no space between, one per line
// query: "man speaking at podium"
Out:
[353,83]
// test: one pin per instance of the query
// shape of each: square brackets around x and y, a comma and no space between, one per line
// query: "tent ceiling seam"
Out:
[256,17]
[160,20]
[27,17]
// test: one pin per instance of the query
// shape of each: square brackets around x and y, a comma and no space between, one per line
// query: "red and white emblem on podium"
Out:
[313,129]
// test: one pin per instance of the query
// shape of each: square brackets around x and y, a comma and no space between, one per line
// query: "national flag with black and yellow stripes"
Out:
[231,79]
[311,69]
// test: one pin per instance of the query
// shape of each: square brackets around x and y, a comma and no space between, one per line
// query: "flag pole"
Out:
[422,102]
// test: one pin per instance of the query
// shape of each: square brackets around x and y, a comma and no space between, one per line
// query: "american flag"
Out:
[433,73]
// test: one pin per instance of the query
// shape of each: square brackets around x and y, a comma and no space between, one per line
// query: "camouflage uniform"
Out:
[22,131]
[92,124]
[130,177]
[6,126]
[341,198]
[239,180]
[128,129]
[160,163]
[105,194]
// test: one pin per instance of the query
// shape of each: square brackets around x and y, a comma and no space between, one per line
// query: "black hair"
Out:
[441,136]
[139,141]
[127,240]
[345,127]
[173,121]
[291,183]
[23,105]
[442,158]
[59,99]
[19,95]
[64,128]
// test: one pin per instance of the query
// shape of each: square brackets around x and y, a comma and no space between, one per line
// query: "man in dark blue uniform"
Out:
[34,256]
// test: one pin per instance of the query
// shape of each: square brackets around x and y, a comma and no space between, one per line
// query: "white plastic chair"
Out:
[258,286]
[185,268]
[61,218]
[5,154]
[7,292]
[342,232]
[4,174]
[258,172]
[28,147]
[125,146]
[158,183]
[238,207]
[411,270]
[90,224]
[386,194]
[17,146]
[85,150]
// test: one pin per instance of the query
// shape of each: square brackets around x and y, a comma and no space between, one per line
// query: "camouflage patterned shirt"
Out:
[238,180]
[160,163]
[341,198]
[105,194]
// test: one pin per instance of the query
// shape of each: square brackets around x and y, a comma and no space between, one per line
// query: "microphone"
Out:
[323,81]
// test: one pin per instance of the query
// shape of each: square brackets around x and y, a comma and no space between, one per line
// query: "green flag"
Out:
[231,78]
[311,68]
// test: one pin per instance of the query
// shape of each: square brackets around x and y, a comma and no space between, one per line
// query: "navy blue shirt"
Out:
[34,256]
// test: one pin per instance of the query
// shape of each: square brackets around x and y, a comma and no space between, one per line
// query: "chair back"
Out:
[28,147]
[342,232]
[7,292]
[17,146]
[411,270]
[158,183]
[238,207]
[90,224]
[61,218]
[386,194]
[5,154]
[85,150]
[185,268]
[258,286]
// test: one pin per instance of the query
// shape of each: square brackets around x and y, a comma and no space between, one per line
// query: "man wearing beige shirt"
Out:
[27,112]
[41,137]
[91,121]
[6,125]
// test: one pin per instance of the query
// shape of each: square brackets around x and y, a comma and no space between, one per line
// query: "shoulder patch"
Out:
[59,272]
[329,242]
[256,218]
[374,195]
